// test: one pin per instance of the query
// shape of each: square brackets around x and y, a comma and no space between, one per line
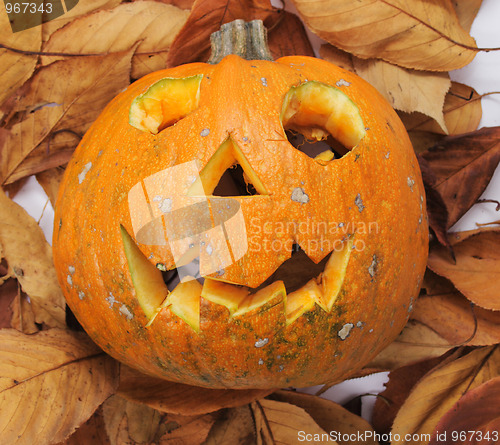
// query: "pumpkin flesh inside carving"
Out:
[184,300]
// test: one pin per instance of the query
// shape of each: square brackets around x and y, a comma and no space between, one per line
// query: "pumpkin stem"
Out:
[245,39]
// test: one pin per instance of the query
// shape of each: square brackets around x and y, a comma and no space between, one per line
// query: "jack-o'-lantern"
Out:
[295,272]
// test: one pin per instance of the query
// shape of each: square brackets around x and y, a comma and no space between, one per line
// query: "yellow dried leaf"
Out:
[476,272]
[462,113]
[80,9]
[29,259]
[331,417]
[49,105]
[50,181]
[151,24]
[407,90]
[283,423]
[51,382]
[176,398]
[421,34]
[235,426]
[16,67]
[129,422]
[416,342]
[440,389]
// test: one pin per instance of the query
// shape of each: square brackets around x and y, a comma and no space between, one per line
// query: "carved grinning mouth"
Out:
[184,299]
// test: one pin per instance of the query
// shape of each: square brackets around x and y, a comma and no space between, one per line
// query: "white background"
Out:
[483,74]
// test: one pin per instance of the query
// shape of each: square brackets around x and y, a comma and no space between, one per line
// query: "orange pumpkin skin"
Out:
[378,182]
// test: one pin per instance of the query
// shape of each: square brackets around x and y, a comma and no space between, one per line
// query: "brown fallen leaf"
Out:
[16,61]
[48,105]
[283,423]
[149,24]
[81,9]
[29,259]
[400,383]
[466,11]
[234,426]
[336,56]
[416,342]
[437,212]
[187,430]
[176,398]
[23,316]
[474,418]
[463,166]
[437,392]
[462,113]
[451,315]
[192,43]
[407,90]
[289,37]
[50,180]
[130,422]
[330,416]
[51,382]
[8,293]
[92,432]
[421,34]
[476,272]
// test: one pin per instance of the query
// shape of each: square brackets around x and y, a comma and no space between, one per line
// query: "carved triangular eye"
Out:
[315,112]
[164,103]
[228,173]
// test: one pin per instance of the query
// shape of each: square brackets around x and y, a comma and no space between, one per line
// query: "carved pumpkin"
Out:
[142,198]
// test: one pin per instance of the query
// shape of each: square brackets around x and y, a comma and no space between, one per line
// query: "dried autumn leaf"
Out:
[400,383]
[187,430]
[476,272]
[416,342]
[50,181]
[16,67]
[49,105]
[283,423]
[81,9]
[176,398]
[289,38]
[8,293]
[437,392]
[336,56]
[476,414]
[23,316]
[462,113]
[448,312]
[234,426]
[92,432]
[422,34]
[407,90]
[437,212]
[51,382]
[330,416]
[130,422]
[463,166]
[153,25]
[466,11]
[192,43]
[29,259]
